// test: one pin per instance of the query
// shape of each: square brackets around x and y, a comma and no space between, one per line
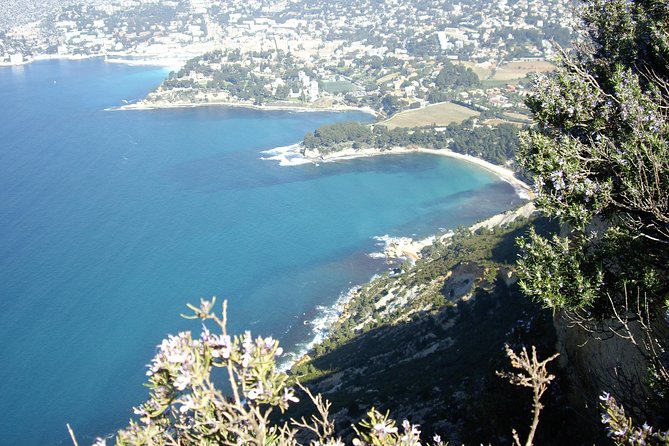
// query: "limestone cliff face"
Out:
[461,281]
[600,357]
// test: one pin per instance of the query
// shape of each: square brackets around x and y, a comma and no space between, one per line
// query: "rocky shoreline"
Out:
[397,248]
[408,248]
[273,106]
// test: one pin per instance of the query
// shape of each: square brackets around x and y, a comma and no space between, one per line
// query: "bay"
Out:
[110,221]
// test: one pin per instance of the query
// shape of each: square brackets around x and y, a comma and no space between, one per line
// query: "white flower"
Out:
[221,346]
[248,342]
[141,411]
[177,357]
[269,343]
[187,403]
[383,429]
[256,392]
[289,395]
[182,381]
[206,334]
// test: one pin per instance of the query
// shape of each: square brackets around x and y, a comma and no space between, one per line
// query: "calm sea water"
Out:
[111,221]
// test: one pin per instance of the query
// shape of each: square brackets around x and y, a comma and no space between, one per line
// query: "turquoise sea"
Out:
[110,221]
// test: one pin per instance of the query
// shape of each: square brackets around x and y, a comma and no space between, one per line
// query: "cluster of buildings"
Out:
[339,43]
[463,29]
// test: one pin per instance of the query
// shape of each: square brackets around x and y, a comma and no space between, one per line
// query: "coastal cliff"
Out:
[425,339]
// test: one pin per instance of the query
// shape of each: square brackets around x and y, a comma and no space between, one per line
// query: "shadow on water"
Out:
[461,208]
[245,170]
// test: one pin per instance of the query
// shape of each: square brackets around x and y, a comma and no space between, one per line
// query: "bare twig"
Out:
[533,375]
[320,425]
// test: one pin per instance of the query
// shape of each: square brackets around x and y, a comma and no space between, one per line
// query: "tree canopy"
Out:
[496,144]
[600,162]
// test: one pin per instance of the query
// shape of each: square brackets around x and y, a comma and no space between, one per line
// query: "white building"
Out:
[16,59]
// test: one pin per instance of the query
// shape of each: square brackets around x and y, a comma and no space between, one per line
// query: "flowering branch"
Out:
[185,408]
[621,429]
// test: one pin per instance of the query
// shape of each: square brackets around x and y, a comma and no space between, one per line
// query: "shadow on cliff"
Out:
[438,369]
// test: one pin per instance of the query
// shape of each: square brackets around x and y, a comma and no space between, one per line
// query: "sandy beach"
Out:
[43,57]
[164,62]
[126,59]
[292,155]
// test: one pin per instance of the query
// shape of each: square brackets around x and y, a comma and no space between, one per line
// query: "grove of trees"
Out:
[496,144]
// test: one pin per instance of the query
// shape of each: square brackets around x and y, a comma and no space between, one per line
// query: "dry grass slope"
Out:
[440,114]
[482,73]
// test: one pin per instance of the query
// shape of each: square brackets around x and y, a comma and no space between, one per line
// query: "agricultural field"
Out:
[519,69]
[440,114]
[497,121]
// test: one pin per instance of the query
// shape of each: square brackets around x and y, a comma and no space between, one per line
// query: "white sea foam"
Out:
[520,191]
[282,149]
[287,160]
[386,240]
[376,255]
[320,325]
[286,155]
[403,247]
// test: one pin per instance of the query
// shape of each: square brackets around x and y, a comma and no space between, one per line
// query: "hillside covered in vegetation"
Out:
[496,144]
[425,342]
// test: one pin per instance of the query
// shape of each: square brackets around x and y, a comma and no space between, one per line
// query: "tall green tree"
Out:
[600,160]
[390,104]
